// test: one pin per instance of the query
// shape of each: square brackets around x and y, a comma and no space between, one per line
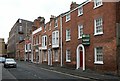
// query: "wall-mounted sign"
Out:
[86,39]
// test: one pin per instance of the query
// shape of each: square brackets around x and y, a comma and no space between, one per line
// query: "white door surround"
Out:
[40,56]
[49,57]
[78,56]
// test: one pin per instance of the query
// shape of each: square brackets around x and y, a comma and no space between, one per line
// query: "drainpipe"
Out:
[32,47]
[61,40]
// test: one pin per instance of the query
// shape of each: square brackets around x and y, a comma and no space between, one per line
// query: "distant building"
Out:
[17,34]
[2,47]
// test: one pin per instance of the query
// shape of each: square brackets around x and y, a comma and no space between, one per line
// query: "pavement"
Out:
[77,72]
[7,74]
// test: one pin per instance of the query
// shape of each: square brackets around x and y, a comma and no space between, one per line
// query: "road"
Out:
[29,71]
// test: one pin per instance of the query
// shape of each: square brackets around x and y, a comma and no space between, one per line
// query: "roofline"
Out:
[25,20]
[55,18]
[82,4]
[17,21]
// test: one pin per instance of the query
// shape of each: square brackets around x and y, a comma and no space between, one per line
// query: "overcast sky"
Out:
[11,10]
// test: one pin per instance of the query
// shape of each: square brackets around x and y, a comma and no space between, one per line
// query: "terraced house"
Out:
[47,42]
[51,41]
[91,36]
[36,38]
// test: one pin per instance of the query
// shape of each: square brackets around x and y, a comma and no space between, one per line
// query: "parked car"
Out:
[2,59]
[10,62]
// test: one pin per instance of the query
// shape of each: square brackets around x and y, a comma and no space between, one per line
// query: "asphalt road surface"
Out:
[30,72]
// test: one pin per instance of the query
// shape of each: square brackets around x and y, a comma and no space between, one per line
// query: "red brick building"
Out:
[36,37]
[47,42]
[51,41]
[97,22]
[28,50]
[20,50]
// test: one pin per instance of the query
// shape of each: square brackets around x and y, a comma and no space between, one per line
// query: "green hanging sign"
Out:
[86,39]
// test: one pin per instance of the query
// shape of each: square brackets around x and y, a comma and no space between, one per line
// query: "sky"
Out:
[11,10]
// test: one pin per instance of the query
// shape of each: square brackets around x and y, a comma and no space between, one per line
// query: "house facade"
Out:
[51,41]
[47,42]
[90,35]
[28,49]
[36,38]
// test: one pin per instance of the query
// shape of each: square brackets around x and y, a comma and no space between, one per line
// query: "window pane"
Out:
[80,11]
[53,38]
[97,3]
[68,34]
[45,41]
[80,31]
[99,54]
[68,17]
[68,55]
[57,37]
[99,26]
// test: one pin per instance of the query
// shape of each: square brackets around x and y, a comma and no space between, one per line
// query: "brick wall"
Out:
[20,50]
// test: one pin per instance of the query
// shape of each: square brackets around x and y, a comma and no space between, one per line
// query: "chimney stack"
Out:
[52,17]
[73,5]
[41,20]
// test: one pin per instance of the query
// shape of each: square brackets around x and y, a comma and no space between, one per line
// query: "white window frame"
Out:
[68,17]
[55,38]
[80,31]
[26,48]
[44,42]
[30,47]
[80,11]
[99,2]
[68,33]
[95,53]
[98,24]
[68,53]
